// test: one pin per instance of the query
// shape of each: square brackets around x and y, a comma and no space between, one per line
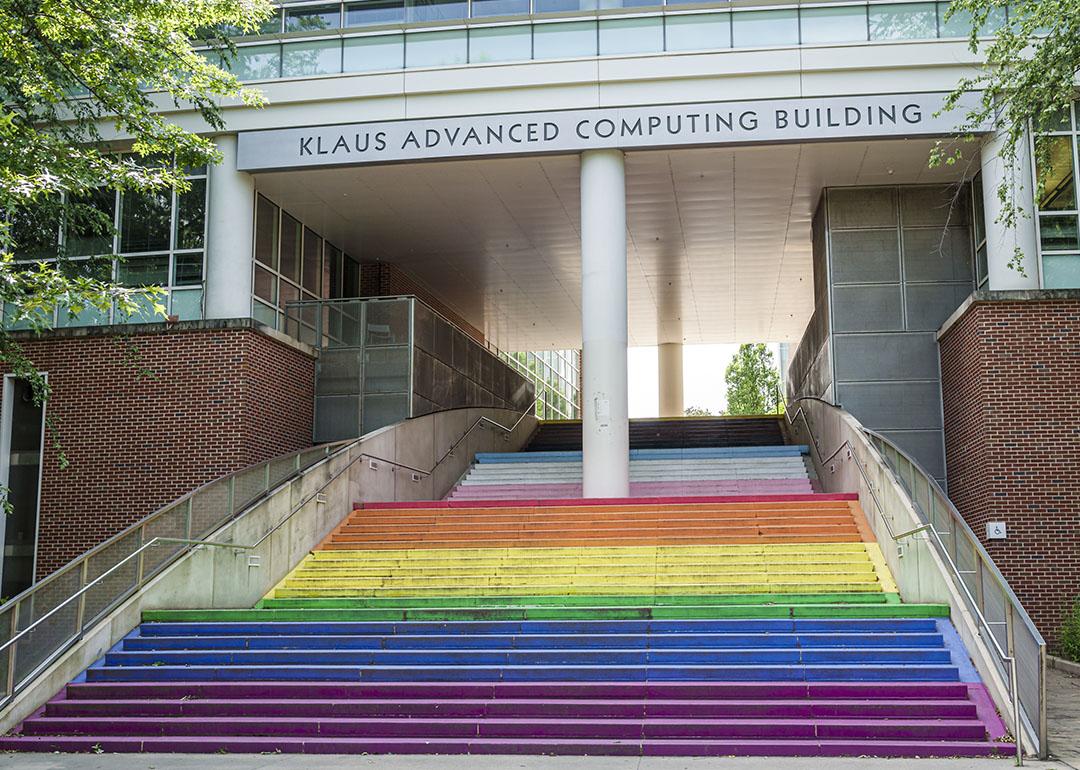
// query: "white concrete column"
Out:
[605,422]
[1002,242]
[670,369]
[230,236]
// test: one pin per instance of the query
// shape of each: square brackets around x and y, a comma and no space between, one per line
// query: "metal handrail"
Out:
[985,631]
[195,543]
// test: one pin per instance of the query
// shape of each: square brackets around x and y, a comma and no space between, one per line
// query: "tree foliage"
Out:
[753,382]
[81,81]
[1028,78]
[696,411]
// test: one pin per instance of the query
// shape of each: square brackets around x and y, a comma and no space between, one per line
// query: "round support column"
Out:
[1003,242]
[230,236]
[605,440]
[670,369]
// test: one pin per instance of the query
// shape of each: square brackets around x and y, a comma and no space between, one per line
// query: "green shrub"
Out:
[1070,633]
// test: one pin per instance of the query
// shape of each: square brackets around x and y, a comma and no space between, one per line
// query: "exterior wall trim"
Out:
[126,330]
[1025,295]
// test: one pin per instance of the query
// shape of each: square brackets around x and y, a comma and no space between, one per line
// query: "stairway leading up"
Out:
[764,624]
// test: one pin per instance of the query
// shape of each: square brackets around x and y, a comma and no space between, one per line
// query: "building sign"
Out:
[682,125]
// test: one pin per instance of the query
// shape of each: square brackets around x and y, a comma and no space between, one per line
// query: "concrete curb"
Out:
[1061,664]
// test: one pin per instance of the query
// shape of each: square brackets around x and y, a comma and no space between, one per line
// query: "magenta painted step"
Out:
[703,488]
[516,707]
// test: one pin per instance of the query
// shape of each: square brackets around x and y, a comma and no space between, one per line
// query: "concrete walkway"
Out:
[1063,717]
[285,762]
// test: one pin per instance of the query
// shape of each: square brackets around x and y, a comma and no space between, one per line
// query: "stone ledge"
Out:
[129,330]
[1066,666]
[1024,295]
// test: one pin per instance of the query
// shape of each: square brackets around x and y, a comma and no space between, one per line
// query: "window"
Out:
[266,232]
[842,24]
[375,12]
[982,268]
[308,18]
[378,52]
[751,29]
[481,8]
[317,57]
[91,232]
[960,23]
[698,32]
[435,10]
[491,44]
[1058,214]
[641,35]
[903,21]
[145,221]
[436,49]
[564,40]
[257,62]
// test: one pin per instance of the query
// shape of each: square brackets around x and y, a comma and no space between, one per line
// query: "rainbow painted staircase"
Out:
[754,625]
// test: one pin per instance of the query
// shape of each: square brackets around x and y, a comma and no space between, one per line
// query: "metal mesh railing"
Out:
[40,623]
[1012,633]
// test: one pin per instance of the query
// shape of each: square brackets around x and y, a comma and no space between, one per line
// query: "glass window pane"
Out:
[332,270]
[191,216]
[312,17]
[187,304]
[351,278]
[481,8]
[903,21]
[187,269]
[290,247]
[982,268]
[145,221]
[500,44]
[643,35]
[264,315]
[287,293]
[265,285]
[90,225]
[366,54]
[36,232]
[833,25]
[961,22]
[375,12]
[312,262]
[88,316]
[318,57]
[759,28]
[144,311]
[698,32]
[257,62]
[1058,233]
[563,41]
[266,232]
[387,323]
[98,268]
[435,10]
[979,213]
[149,270]
[563,6]
[1061,271]
[1058,186]
[436,49]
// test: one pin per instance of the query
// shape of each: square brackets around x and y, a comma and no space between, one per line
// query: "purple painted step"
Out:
[523,707]
[637,489]
[562,746]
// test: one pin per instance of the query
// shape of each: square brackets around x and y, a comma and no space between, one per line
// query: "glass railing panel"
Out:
[209,509]
[249,485]
[57,621]
[172,524]
[117,572]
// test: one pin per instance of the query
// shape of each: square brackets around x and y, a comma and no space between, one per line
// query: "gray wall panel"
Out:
[876,357]
[861,207]
[865,256]
[936,254]
[867,308]
[893,405]
[930,304]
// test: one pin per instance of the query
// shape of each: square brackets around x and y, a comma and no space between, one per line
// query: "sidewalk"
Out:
[1063,716]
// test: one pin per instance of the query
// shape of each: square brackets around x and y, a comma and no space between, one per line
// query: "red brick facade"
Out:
[145,418]
[1010,379]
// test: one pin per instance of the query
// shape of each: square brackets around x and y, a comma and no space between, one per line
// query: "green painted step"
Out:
[556,613]
[444,602]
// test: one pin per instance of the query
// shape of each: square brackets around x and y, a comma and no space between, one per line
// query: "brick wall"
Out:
[1010,375]
[380,279]
[143,420]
